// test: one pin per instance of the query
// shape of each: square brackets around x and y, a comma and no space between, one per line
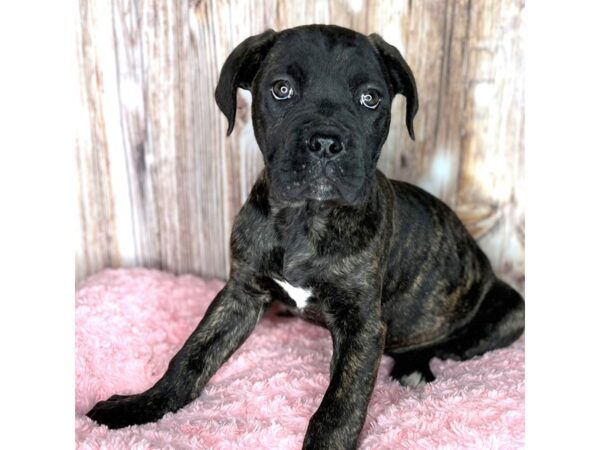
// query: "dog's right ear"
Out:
[239,70]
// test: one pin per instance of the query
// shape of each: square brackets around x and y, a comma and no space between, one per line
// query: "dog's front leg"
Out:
[358,341]
[229,320]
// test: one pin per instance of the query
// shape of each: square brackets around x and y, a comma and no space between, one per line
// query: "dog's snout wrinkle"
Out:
[327,108]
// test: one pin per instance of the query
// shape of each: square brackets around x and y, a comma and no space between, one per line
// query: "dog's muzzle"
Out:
[322,163]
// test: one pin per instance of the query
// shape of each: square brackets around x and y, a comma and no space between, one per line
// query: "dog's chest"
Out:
[298,294]
[299,262]
[300,302]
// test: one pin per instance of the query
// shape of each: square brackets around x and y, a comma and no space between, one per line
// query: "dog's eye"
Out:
[281,90]
[370,99]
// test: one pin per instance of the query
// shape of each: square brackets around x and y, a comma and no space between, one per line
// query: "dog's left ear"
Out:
[403,81]
[239,71]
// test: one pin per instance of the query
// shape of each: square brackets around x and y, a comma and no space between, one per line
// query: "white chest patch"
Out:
[299,295]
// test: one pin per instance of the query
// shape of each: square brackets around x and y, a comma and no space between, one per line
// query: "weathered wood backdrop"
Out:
[159,183]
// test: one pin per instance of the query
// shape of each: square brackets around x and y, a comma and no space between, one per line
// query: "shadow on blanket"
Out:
[129,323]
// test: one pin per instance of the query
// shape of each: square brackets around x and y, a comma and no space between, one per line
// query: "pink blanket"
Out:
[129,323]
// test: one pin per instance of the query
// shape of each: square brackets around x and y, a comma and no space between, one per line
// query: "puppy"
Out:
[385,266]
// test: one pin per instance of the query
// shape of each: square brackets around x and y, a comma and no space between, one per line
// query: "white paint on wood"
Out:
[355,6]
[441,173]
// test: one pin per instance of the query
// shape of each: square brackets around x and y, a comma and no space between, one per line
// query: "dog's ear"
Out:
[239,71]
[403,81]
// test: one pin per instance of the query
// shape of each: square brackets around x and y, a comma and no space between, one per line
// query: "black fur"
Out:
[391,268]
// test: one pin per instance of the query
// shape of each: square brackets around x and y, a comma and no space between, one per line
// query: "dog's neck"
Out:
[324,223]
[320,208]
[318,211]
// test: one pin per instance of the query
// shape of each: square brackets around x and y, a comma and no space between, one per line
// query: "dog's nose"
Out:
[325,146]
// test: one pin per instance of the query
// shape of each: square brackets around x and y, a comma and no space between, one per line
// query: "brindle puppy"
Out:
[385,266]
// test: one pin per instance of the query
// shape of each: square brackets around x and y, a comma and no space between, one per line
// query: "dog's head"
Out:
[321,107]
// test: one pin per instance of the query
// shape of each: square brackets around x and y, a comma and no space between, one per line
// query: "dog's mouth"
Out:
[326,181]
[322,189]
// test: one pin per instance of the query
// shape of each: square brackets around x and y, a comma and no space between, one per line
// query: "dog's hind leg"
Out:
[499,321]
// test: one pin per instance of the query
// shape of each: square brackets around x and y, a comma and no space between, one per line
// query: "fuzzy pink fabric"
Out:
[129,323]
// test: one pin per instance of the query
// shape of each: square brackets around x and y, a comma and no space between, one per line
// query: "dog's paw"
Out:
[120,411]
[412,373]
[414,379]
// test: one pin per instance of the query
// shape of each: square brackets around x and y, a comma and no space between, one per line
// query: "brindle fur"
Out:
[391,268]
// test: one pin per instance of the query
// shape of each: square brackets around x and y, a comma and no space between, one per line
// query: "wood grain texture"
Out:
[160,184]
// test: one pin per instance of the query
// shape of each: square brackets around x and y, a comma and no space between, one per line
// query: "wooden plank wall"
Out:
[159,183]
